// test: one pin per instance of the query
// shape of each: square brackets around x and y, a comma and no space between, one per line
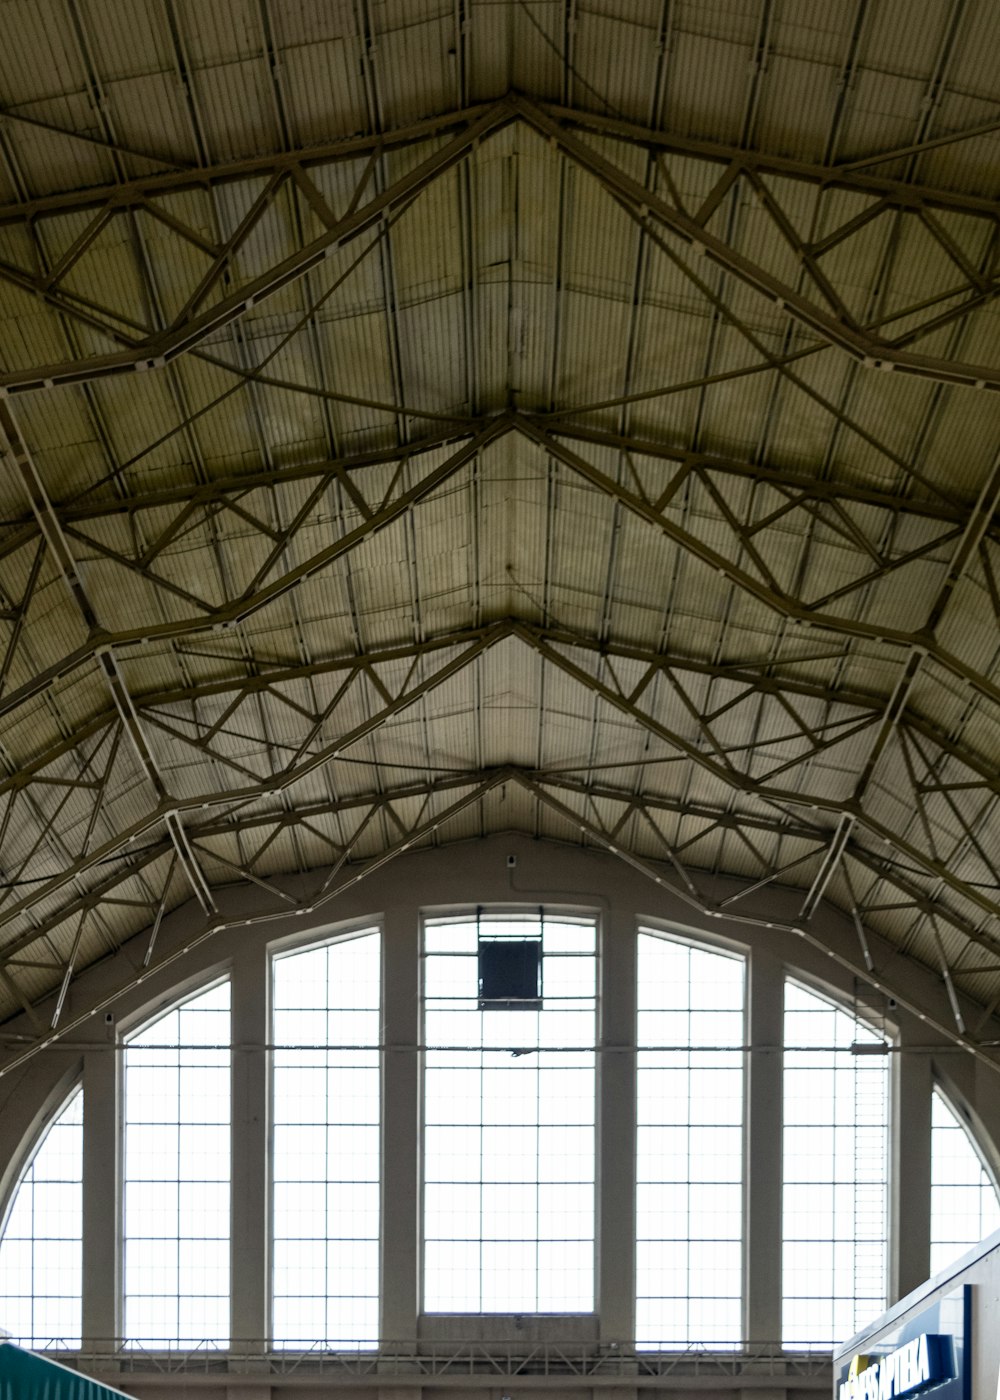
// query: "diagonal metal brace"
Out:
[13,445]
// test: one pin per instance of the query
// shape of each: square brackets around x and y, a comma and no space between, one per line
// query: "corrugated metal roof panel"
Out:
[515,281]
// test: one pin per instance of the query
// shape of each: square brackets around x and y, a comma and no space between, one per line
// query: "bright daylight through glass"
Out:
[40,1249]
[835,1156]
[964,1204]
[177,1172]
[689,1162]
[326,1144]
[509,1124]
[509,1151]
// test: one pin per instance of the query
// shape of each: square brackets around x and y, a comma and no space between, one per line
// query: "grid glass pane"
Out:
[964,1205]
[835,1168]
[40,1251]
[509,1125]
[326,1030]
[177,1174]
[689,1147]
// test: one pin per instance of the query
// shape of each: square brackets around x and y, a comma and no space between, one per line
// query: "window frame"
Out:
[498,911]
[250,959]
[837,999]
[189,989]
[965,1121]
[57,1101]
[719,945]
[275,952]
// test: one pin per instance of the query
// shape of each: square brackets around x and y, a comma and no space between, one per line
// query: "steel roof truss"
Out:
[160,347]
[905,195]
[800,611]
[155,851]
[967,827]
[56,542]
[761,788]
[868,349]
[781,602]
[24,1047]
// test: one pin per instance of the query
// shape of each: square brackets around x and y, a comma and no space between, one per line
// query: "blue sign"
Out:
[917,1365]
[923,1354]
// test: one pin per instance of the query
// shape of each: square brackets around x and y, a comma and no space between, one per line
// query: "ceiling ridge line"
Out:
[217,922]
[908,194]
[478,123]
[76,509]
[206,830]
[495,427]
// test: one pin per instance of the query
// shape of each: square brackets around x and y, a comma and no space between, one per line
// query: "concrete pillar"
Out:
[102,1277]
[250,1248]
[400,1250]
[616,1129]
[910,1172]
[762,1198]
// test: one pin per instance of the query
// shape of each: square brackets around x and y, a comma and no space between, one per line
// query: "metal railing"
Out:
[424,1360]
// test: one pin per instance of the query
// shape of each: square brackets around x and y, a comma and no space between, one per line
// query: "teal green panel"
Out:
[24,1375]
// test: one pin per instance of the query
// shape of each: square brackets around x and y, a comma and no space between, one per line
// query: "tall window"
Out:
[509,1026]
[326,1144]
[40,1249]
[835,1159]
[964,1205]
[177,1172]
[689,1212]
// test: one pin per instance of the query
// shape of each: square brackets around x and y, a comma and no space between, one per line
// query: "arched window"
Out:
[689,1164]
[177,1174]
[40,1249]
[326,1030]
[964,1204]
[835,1167]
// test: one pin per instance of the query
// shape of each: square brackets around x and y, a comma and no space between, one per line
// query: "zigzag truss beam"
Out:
[269,585]
[145,841]
[435,808]
[734,769]
[453,137]
[139,865]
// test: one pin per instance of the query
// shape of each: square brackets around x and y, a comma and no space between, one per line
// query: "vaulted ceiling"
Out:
[423,419]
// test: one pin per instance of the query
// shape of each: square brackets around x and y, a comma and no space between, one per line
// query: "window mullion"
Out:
[762,1228]
[101,1200]
[400,1126]
[250,1167]
[616,1127]
[910,1201]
